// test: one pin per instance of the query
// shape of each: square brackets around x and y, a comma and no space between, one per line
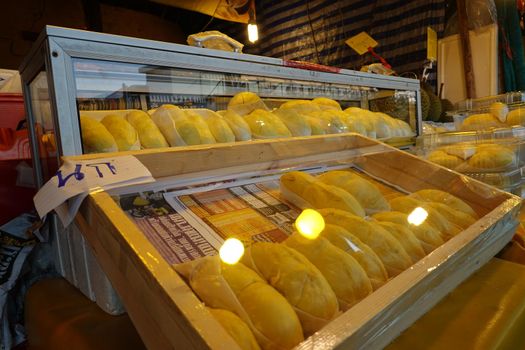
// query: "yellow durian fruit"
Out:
[124,134]
[165,117]
[429,237]
[355,125]
[363,116]
[381,124]
[206,137]
[244,103]
[388,249]
[407,239]
[344,274]
[219,128]
[431,195]
[295,182]
[516,117]
[333,122]
[362,253]
[301,106]
[366,193]
[149,134]
[95,137]
[407,204]
[265,125]
[481,122]
[492,158]
[318,126]
[320,195]
[455,217]
[239,289]
[404,127]
[298,280]
[238,125]
[327,103]
[236,328]
[444,159]
[296,122]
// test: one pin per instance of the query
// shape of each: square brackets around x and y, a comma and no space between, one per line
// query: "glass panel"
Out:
[105,85]
[44,125]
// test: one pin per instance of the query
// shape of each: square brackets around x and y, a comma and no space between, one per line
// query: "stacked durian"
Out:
[498,116]
[281,293]
[246,118]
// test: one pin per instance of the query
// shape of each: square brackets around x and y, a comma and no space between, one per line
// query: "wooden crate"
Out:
[167,313]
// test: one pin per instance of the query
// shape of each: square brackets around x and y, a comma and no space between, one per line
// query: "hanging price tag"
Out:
[431,44]
[74,180]
[361,42]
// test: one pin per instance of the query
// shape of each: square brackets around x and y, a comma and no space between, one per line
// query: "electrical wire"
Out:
[211,19]
[312,31]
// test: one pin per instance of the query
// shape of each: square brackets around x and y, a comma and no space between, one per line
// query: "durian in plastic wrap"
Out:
[492,157]
[166,118]
[480,122]
[381,124]
[237,124]
[407,204]
[362,116]
[327,103]
[219,128]
[95,137]
[297,123]
[124,134]
[429,237]
[388,249]
[236,328]
[320,195]
[298,280]
[444,159]
[301,106]
[244,103]
[344,274]
[407,239]
[455,217]
[265,125]
[318,126]
[296,182]
[431,195]
[362,253]
[516,117]
[239,289]
[355,125]
[149,134]
[206,137]
[332,121]
[366,193]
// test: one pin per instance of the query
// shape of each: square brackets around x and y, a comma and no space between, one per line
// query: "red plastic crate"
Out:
[11,110]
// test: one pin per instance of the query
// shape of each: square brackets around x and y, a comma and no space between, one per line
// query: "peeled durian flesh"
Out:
[149,134]
[95,137]
[124,134]
[236,328]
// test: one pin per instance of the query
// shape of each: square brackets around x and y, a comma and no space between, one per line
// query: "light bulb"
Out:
[417,216]
[310,224]
[253,32]
[231,251]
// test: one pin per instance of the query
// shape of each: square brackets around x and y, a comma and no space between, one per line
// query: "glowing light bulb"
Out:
[417,216]
[231,251]
[253,32]
[310,224]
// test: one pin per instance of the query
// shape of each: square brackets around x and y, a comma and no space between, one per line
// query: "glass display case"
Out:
[70,71]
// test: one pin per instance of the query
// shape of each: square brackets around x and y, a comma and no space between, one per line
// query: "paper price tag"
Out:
[76,179]
[361,42]
[431,44]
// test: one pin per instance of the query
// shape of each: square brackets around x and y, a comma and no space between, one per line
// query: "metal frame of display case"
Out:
[56,48]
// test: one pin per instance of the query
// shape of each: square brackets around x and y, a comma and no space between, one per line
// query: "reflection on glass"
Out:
[231,251]
[417,216]
[310,224]
[44,125]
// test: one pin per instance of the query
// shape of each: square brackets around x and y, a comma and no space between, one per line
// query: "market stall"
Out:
[150,239]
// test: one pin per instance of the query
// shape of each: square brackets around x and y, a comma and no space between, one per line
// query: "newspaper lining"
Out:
[194,222]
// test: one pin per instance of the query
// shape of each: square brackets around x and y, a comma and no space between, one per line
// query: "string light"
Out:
[417,216]
[310,224]
[231,251]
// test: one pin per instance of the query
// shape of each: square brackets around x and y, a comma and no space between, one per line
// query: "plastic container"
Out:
[480,105]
